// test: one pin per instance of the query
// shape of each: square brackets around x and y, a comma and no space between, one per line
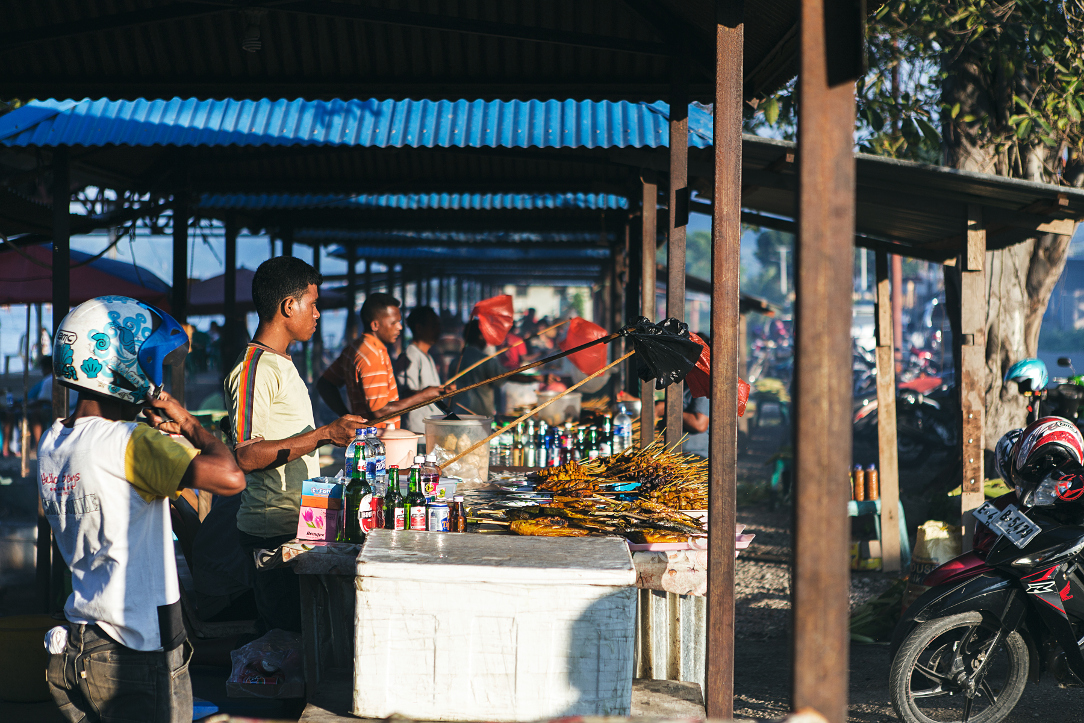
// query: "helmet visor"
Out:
[166,346]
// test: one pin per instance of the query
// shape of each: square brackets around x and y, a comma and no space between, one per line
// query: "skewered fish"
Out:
[546,527]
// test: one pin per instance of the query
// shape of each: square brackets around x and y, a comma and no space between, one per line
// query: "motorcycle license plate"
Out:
[1010,522]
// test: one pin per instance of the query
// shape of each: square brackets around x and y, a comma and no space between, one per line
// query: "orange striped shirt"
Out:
[364,368]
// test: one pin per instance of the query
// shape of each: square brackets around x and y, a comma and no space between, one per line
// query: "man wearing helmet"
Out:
[105,482]
[272,425]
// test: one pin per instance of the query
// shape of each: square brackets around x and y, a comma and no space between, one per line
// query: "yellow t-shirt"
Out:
[154,464]
[268,400]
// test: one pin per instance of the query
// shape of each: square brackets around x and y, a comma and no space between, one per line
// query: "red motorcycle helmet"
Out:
[1046,445]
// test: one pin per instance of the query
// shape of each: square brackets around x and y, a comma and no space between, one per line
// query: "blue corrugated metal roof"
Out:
[364,123]
[415,201]
[492,255]
[439,238]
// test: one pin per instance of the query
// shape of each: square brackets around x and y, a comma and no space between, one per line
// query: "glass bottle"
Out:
[394,506]
[349,458]
[359,502]
[430,475]
[530,446]
[415,503]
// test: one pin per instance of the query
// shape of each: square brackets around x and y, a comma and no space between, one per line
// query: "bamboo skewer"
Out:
[505,375]
[537,409]
[495,354]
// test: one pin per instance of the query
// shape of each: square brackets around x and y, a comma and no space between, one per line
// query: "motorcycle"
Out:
[1012,608]
[1063,398]
[925,421]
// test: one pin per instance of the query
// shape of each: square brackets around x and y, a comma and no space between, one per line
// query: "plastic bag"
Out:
[494,318]
[268,667]
[580,332]
[937,543]
[699,377]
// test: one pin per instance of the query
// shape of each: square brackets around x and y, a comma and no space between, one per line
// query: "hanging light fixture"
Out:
[251,41]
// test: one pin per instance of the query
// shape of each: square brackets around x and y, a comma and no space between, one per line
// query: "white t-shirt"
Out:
[419,372]
[104,488]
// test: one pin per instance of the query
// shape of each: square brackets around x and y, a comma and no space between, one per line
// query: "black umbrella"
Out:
[665,351]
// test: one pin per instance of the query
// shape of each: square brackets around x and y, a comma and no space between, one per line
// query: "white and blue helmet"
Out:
[117,347]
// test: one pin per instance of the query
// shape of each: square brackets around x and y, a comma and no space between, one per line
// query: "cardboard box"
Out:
[322,487]
[323,503]
[318,524]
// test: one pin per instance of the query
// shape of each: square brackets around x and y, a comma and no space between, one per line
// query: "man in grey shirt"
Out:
[415,369]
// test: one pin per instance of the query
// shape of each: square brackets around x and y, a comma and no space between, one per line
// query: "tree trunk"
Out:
[1021,278]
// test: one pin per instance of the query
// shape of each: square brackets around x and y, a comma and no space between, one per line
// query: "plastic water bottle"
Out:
[430,475]
[359,438]
[622,432]
[380,453]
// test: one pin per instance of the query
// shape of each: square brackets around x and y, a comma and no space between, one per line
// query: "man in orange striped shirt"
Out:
[364,367]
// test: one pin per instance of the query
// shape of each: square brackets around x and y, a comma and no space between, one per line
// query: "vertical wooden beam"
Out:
[287,241]
[972,354]
[179,300]
[725,320]
[678,217]
[230,330]
[897,303]
[317,363]
[887,446]
[648,237]
[822,420]
[61,192]
[351,293]
[459,283]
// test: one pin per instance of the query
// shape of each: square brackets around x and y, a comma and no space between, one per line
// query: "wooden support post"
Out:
[743,363]
[317,357]
[678,217]
[179,300]
[830,37]
[725,316]
[351,294]
[368,277]
[287,241]
[888,469]
[649,235]
[459,283]
[971,350]
[48,558]
[440,294]
[230,331]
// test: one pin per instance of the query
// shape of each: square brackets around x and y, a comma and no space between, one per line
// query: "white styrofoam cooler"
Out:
[493,627]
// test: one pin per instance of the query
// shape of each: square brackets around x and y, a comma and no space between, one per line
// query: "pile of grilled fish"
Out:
[642,521]
[664,476]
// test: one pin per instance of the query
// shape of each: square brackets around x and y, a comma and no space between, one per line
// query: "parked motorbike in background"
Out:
[1064,396]
[925,420]
[1013,607]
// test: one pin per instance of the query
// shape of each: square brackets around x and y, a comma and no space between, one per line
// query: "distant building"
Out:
[1066,308]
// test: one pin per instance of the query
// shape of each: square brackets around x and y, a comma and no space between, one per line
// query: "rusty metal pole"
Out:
[971,348]
[678,218]
[649,234]
[888,468]
[830,39]
[725,300]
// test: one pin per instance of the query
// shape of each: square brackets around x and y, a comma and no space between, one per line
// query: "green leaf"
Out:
[955,110]
[928,131]
[771,111]
[1023,128]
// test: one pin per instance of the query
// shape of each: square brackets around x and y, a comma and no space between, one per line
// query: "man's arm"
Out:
[214,468]
[425,395]
[329,392]
[690,421]
[268,454]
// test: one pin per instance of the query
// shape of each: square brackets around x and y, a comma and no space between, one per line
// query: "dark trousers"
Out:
[98,679]
[278,591]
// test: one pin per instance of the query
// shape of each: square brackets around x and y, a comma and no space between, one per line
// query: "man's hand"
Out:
[446,388]
[167,415]
[341,432]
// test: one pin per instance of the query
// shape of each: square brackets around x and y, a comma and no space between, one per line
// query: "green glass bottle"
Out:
[415,503]
[359,499]
[394,507]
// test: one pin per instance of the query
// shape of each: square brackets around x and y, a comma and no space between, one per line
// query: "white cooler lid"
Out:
[459,557]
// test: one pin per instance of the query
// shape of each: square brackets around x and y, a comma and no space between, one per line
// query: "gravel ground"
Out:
[762,645]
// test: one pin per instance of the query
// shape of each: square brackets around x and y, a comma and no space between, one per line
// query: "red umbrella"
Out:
[495,318]
[581,331]
[26,278]
[699,378]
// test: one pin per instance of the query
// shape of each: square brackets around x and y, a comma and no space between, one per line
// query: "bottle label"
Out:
[400,519]
[366,520]
[417,517]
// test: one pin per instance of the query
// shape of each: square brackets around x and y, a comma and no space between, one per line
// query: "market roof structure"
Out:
[324,49]
[389,160]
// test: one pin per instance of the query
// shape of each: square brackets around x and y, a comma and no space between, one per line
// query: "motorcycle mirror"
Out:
[1064,361]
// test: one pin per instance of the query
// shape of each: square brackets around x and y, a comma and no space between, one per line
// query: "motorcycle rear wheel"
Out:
[924,680]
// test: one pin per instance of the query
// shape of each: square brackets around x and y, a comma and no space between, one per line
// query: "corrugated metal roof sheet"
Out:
[334,235]
[358,123]
[414,201]
[492,255]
